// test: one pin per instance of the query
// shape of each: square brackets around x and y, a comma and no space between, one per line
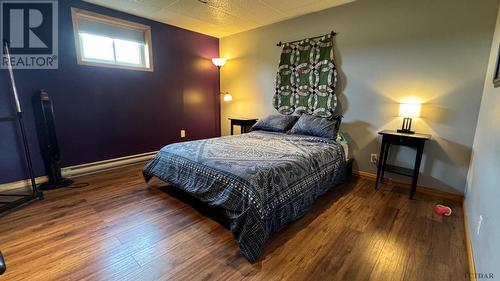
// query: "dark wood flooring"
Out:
[119,228]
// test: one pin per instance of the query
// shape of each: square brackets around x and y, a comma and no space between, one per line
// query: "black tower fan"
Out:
[45,124]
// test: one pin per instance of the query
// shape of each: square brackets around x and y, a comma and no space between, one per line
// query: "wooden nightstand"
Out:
[245,124]
[394,138]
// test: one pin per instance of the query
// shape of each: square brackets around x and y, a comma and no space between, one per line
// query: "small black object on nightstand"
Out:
[410,140]
[245,124]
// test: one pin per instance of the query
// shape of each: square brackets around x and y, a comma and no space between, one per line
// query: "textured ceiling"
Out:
[219,18]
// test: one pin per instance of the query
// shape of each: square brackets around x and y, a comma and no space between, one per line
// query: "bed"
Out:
[261,180]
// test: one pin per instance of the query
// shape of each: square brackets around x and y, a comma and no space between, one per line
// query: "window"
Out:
[110,42]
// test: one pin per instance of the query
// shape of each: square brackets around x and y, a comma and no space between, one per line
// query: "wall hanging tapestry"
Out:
[307,77]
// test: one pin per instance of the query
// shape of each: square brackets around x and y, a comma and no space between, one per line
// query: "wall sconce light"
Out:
[227,96]
[219,62]
[408,111]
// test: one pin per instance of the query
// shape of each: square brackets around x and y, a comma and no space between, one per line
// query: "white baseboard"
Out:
[420,188]
[468,244]
[85,169]
[20,184]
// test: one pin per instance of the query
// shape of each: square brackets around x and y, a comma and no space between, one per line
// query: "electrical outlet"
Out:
[183,133]
[479,225]
[374,158]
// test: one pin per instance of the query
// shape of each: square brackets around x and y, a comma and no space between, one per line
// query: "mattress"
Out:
[261,180]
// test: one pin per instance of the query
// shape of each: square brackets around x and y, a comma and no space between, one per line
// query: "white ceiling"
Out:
[219,18]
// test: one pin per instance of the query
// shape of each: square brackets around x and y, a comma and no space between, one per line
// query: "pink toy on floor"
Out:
[442,210]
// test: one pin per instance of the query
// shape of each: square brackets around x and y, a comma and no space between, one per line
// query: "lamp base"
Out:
[406,131]
[406,128]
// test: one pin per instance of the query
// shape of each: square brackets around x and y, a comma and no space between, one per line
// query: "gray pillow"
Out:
[275,123]
[317,126]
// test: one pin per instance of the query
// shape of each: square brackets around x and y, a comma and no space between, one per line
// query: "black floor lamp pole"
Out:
[27,154]
[36,193]
[21,124]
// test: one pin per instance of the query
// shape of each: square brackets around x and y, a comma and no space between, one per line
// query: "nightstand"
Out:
[410,140]
[245,124]
[348,168]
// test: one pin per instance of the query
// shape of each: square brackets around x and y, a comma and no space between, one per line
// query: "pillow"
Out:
[275,123]
[317,126]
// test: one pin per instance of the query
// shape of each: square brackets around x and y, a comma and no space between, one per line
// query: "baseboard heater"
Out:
[85,169]
[94,167]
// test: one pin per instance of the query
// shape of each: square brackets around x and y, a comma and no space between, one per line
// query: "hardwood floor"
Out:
[119,228]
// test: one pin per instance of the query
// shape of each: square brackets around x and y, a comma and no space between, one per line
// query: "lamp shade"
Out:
[410,110]
[228,97]
[219,61]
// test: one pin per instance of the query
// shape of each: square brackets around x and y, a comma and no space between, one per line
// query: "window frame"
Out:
[148,51]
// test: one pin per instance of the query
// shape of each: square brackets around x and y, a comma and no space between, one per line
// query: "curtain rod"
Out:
[333,33]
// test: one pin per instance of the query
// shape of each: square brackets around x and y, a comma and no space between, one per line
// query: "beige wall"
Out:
[387,50]
[483,190]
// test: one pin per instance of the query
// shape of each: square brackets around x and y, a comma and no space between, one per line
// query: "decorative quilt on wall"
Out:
[307,78]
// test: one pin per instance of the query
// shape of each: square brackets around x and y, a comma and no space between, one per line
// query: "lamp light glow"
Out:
[410,110]
[228,97]
[219,62]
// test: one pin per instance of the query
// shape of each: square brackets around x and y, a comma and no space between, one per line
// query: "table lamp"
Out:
[408,111]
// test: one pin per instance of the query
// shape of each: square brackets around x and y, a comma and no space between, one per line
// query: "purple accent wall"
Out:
[103,113]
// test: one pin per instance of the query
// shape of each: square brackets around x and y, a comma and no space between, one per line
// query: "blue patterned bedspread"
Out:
[262,180]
